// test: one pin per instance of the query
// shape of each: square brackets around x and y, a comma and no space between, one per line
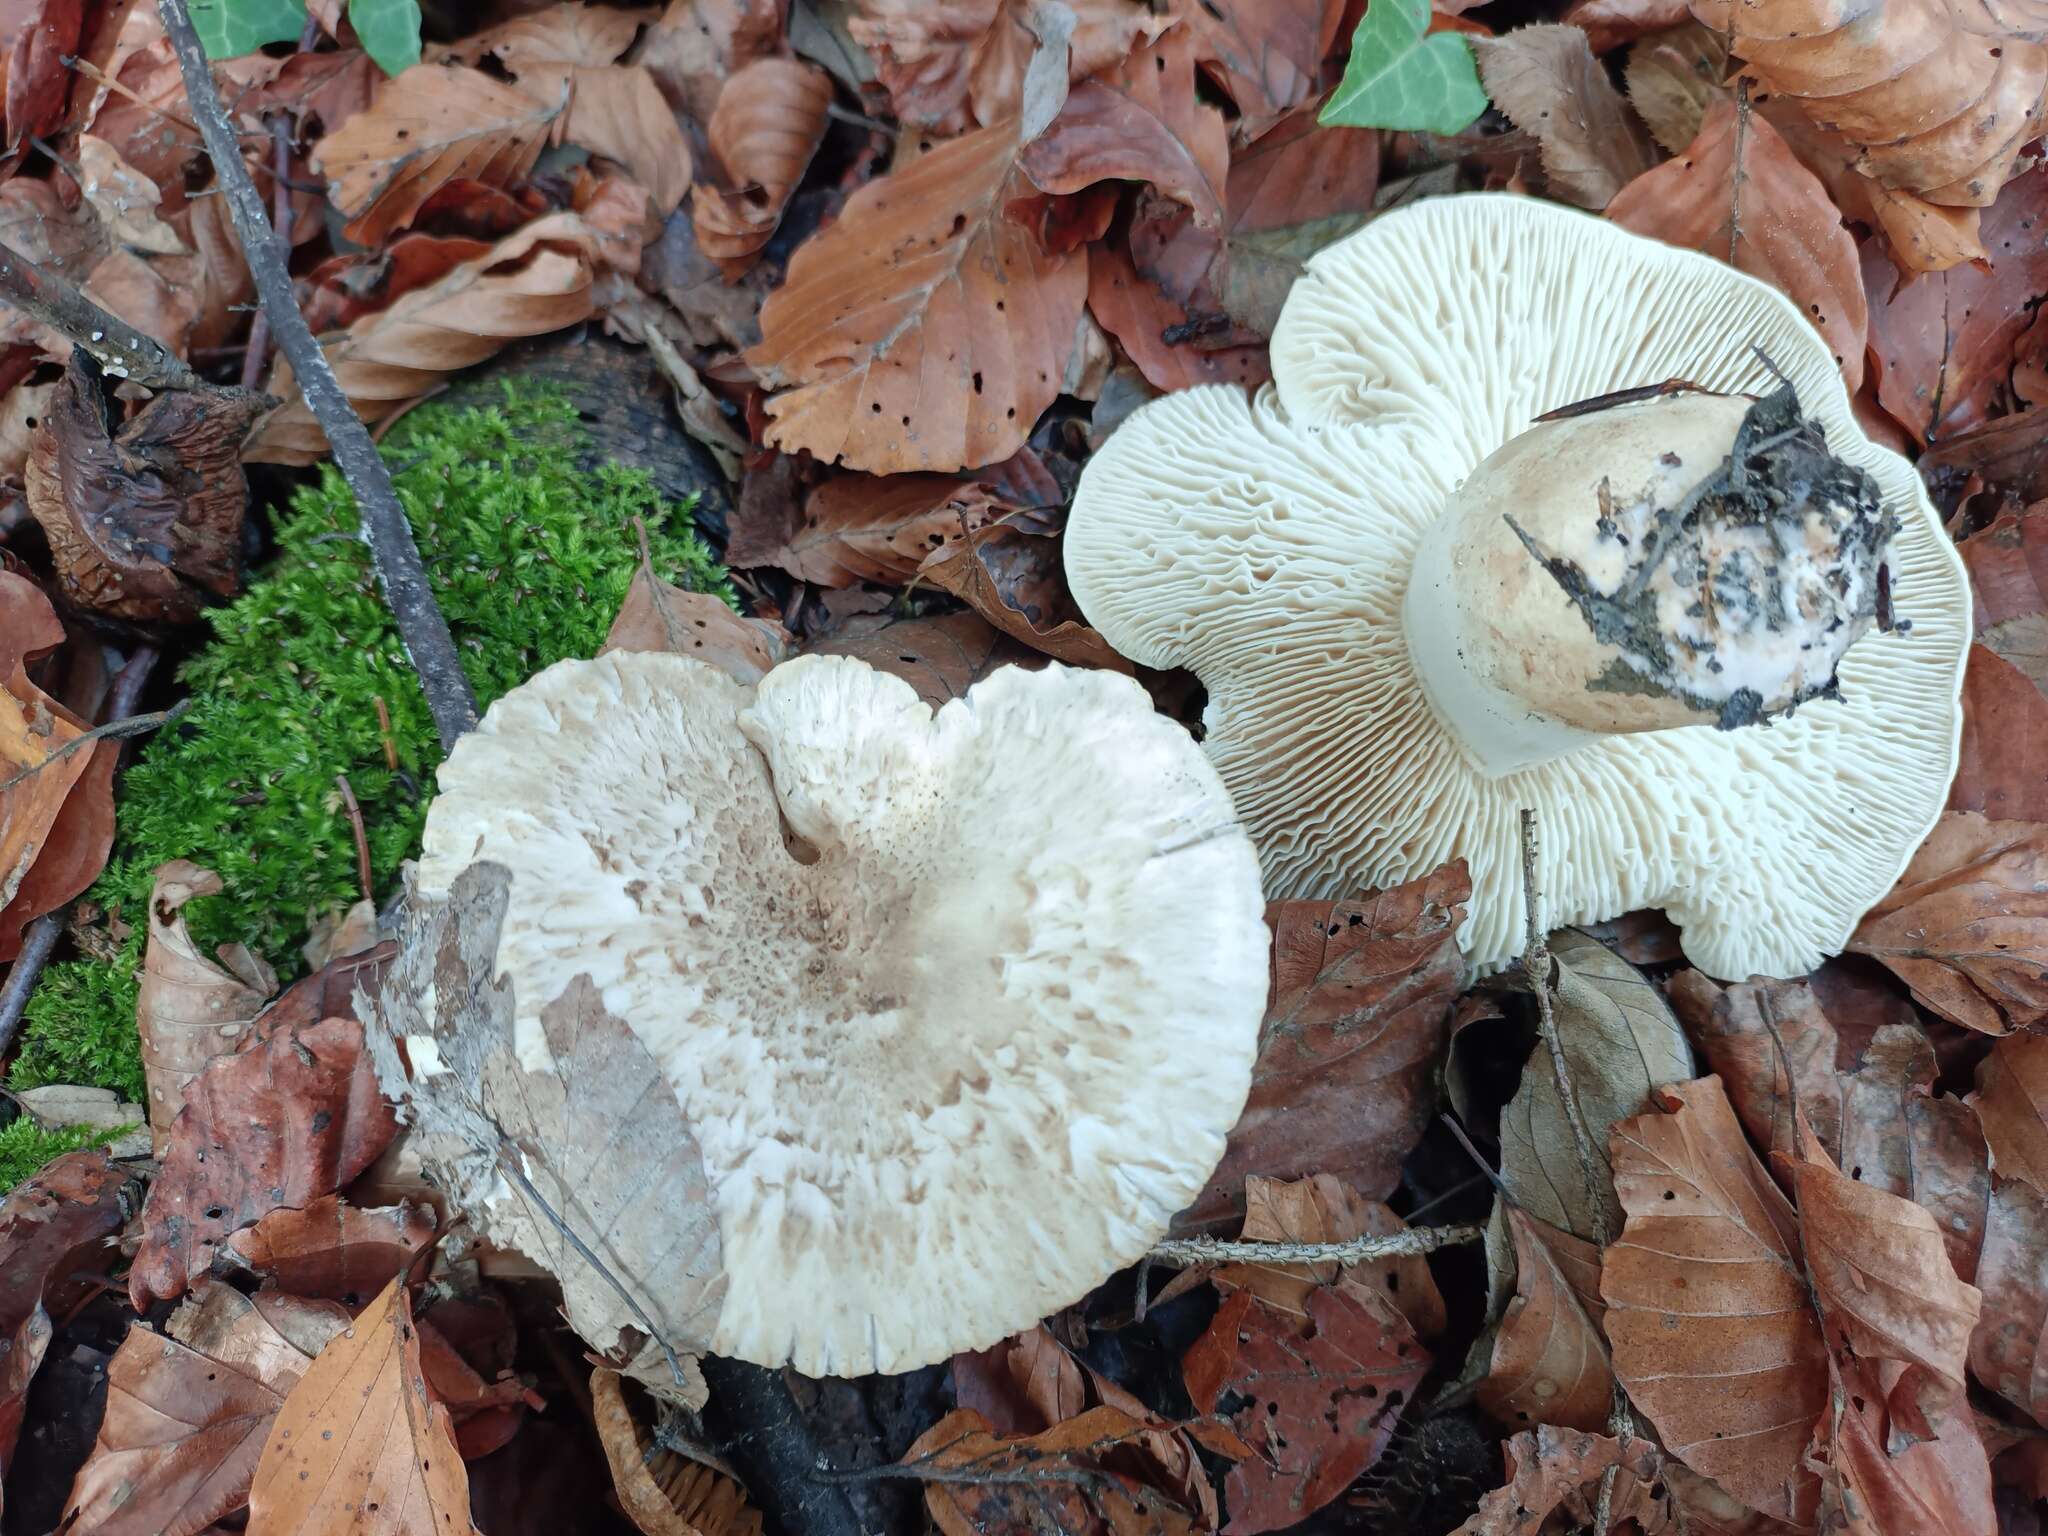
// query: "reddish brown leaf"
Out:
[345,288]
[1267,54]
[1791,234]
[697,45]
[1610,23]
[2012,1103]
[1547,81]
[663,1493]
[2004,763]
[769,122]
[1322,1404]
[294,1117]
[1942,345]
[923,330]
[1878,1476]
[1708,1313]
[560,34]
[1967,925]
[2008,564]
[2009,1349]
[40,36]
[617,111]
[331,1250]
[1132,309]
[1355,1026]
[657,616]
[1552,1470]
[1013,578]
[941,658]
[1549,1361]
[874,528]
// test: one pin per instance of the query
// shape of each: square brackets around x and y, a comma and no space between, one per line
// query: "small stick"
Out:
[399,568]
[384,732]
[38,943]
[121,350]
[113,730]
[281,222]
[1358,1250]
[355,822]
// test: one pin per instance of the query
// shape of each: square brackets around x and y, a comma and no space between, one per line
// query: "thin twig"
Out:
[118,347]
[385,529]
[384,732]
[355,824]
[280,222]
[1738,175]
[38,942]
[1358,1250]
[113,730]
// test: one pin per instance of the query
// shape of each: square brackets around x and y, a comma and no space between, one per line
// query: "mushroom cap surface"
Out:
[1266,544]
[959,1007]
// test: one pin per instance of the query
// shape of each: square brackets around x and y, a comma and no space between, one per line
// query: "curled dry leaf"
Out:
[876,528]
[1553,1470]
[663,1493]
[144,516]
[125,199]
[1964,927]
[533,282]
[695,46]
[2012,1103]
[1549,1360]
[428,126]
[941,658]
[769,122]
[1267,54]
[1878,1475]
[189,1009]
[1938,97]
[2009,1349]
[1708,1313]
[1790,235]
[924,330]
[331,1250]
[658,616]
[1547,81]
[361,1431]
[617,111]
[1355,1024]
[295,1116]
[1322,1404]
[1013,577]
[1319,1209]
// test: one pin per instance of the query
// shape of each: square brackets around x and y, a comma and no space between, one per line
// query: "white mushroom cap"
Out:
[1268,545]
[959,1007]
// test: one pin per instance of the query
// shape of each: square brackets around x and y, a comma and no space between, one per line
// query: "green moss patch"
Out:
[530,558]
[25,1146]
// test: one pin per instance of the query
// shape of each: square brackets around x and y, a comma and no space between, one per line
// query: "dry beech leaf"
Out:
[1673,76]
[1549,1360]
[1322,1403]
[1610,23]
[695,46]
[1553,1470]
[1878,1476]
[1547,81]
[2009,1349]
[565,33]
[144,516]
[187,1416]
[1061,1479]
[1132,309]
[1013,578]
[1620,1041]
[1357,1019]
[941,62]
[876,528]
[1267,54]
[1966,927]
[923,330]
[331,1250]
[769,121]
[189,1009]
[1319,1209]
[2012,1104]
[617,111]
[1708,1315]
[602,1141]
[361,1431]
[1939,97]
[663,1493]
[124,198]
[536,281]
[941,658]
[428,126]
[658,616]
[2008,564]
[1791,233]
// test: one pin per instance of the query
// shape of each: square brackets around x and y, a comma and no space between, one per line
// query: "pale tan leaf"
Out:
[615,110]
[1673,76]
[1322,1209]
[2012,1103]
[568,33]
[697,45]
[658,616]
[125,199]
[1549,1361]
[1547,81]
[769,122]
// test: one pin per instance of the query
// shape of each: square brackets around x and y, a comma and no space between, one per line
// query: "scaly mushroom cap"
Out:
[1267,544]
[960,1007]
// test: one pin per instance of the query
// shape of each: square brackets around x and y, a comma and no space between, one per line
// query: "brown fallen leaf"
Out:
[428,126]
[695,46]
[331,1250]
[186,1416]
[361,1432]
[125,199]
[876,528]
[663,1493]
[617,111]
[295,1116]
[564,33]
[1610,23]
[1355,1025]
[941,658]
[2012,1104]
[941,63]
[1964,926]
[1549,1360]
[1012,576]
[923,330]
[1319,1209]
[189,1009]
[1939,98]
[1266,54]
[2009,1348]
[1674,74]
[1547,81]
[1878,1475]
[2008,563]
[1560,1469]
[1321,1405]
[1708,1315]
[768,124]
[533,282]
[1134,310]
[658,616]
[1791,234]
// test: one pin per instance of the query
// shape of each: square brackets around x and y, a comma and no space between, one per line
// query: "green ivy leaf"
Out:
[390,32]
[230,28]
[1403,76]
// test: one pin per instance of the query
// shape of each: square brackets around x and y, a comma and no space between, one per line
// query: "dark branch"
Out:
[119,348]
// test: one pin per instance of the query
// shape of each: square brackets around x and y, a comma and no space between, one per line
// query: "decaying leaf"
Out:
[1547,81]
[1620,1041]
[924,330]
[616,110]
[428,126]
[695,46]
[1157,333]
[769,122]
[1322,1404]
[1552,1470]
[1928,1474]
[941,658]
[565,33]
[1320,1209]
[2009,1347]
[190,1009]
[659,616]
[1549,1360]
[1964,926]
[2012,1104]
[1610,23]
[332,1250]
[1790,234]
[361,1431]
[1012,576]
[877,528]
[603,1151]
[1708,1313]
[1673,76]
[125,199]
[1267,54]
[1355,1022]
[2008,564]
[663,1493]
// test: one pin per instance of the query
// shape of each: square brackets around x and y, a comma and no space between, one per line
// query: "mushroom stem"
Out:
[1686,559]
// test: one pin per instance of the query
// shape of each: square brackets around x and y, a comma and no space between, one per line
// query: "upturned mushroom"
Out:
[1539,513]
[958,1008]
